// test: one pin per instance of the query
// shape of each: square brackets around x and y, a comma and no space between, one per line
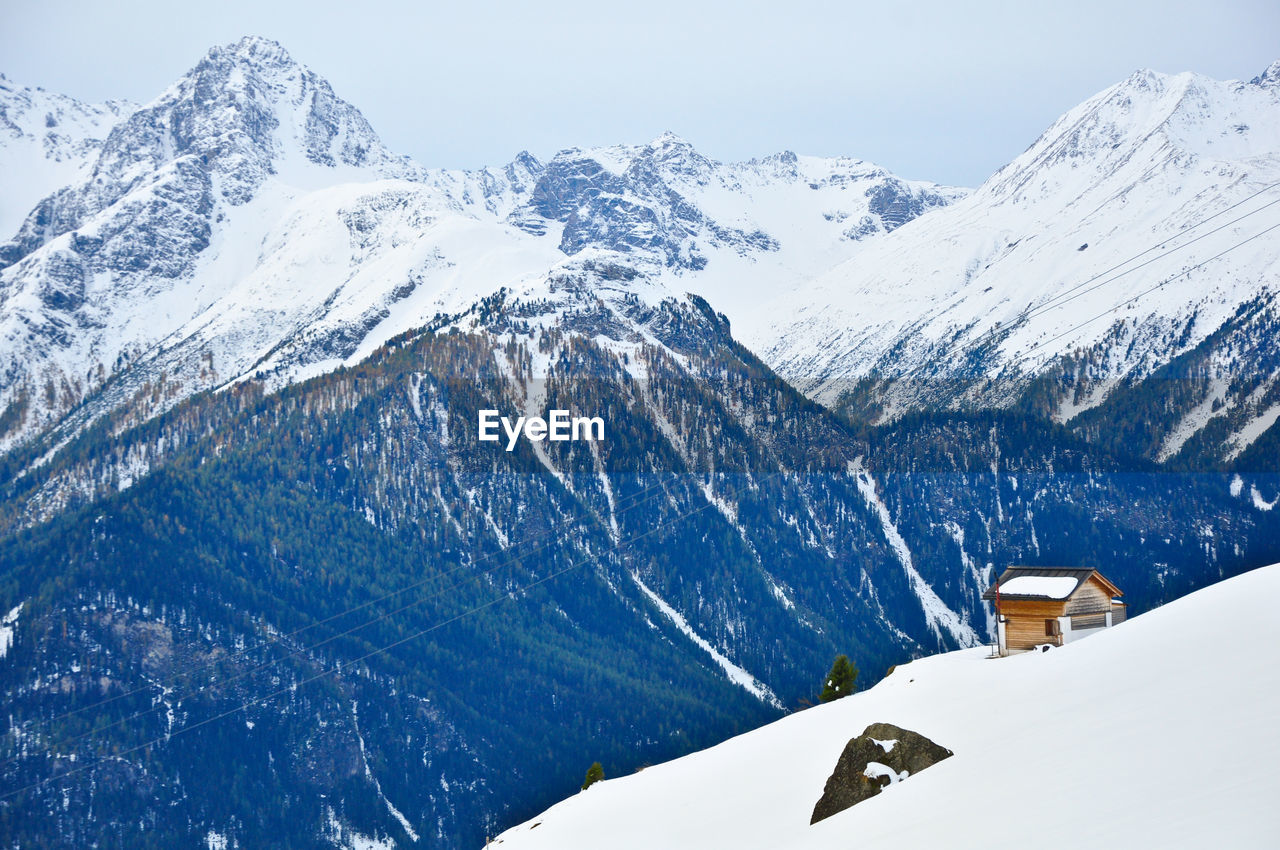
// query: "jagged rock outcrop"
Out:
[881,756]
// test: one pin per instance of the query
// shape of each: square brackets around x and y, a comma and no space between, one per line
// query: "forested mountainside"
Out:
[517,615]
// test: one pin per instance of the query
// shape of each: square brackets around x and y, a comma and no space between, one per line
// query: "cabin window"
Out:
[1052,628]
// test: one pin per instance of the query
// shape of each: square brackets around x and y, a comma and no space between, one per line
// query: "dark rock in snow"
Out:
[882,755]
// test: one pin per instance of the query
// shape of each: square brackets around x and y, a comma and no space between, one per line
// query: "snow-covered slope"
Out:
[1159,178]
[47,141]
[1157,733]
[736,233]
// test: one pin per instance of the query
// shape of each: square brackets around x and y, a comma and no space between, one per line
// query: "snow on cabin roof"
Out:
[1046,582]
[1051,587]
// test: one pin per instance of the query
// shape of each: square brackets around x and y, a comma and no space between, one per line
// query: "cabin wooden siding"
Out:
[1028,621]
[1025,618]
[1091,597]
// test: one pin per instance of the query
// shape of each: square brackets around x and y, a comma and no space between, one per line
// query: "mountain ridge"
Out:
[1125,236]
[210,220]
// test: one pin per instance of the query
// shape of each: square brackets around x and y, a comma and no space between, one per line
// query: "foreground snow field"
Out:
[1160,732]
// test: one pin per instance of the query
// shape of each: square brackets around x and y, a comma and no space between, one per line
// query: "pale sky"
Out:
[945,91]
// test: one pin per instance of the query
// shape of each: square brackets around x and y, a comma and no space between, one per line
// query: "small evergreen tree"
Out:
[840,681]
[594,774]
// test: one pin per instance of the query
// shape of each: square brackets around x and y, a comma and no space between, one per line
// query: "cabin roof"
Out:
[1053,590]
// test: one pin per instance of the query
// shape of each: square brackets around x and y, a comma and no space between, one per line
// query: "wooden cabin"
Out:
[1053,605]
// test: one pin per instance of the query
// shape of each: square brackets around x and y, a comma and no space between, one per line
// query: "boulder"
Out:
[882,755]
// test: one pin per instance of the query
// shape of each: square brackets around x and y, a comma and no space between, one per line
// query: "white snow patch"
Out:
[726,508]
[975,572]
[1254,429]
[875,770]
[349,839]
[1261,503]
[1051,587]
[404,822]
[887,746]
[368,772]
[781,595]
[1195,419]
[607,487]
[7,628]
[735,673]
[936,613]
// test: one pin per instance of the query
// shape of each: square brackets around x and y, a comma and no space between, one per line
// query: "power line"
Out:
[634,499]
[1030,312]
[1148,291]
[386,648]
[1074,292]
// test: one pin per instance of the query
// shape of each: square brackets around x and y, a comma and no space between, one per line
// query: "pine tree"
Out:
[840,681]
[594,774]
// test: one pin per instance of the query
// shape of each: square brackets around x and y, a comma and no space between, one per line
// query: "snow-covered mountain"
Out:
[1143,225]
[47,141]
[626,600]
[249,220]
[1113,726]
[673,584]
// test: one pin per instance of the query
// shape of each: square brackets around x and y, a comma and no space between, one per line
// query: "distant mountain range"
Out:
[1125,267]
[249,222]
[265,583]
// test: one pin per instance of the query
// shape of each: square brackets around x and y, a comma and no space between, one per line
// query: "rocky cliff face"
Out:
[47,141]
[249,221]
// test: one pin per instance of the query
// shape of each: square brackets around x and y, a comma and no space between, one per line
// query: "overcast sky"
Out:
[945,91]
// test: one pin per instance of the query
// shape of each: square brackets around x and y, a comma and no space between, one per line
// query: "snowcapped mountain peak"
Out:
[248,107]
[251,216]
[668,144]
[245,113]
[674,155]
[47,141]
[1269,77]
[668,141]
[1147,123]
[525,161]
[1124,236]
[784,164]
[256,48]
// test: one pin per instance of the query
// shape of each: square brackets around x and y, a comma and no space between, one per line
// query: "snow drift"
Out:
[1157,733]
